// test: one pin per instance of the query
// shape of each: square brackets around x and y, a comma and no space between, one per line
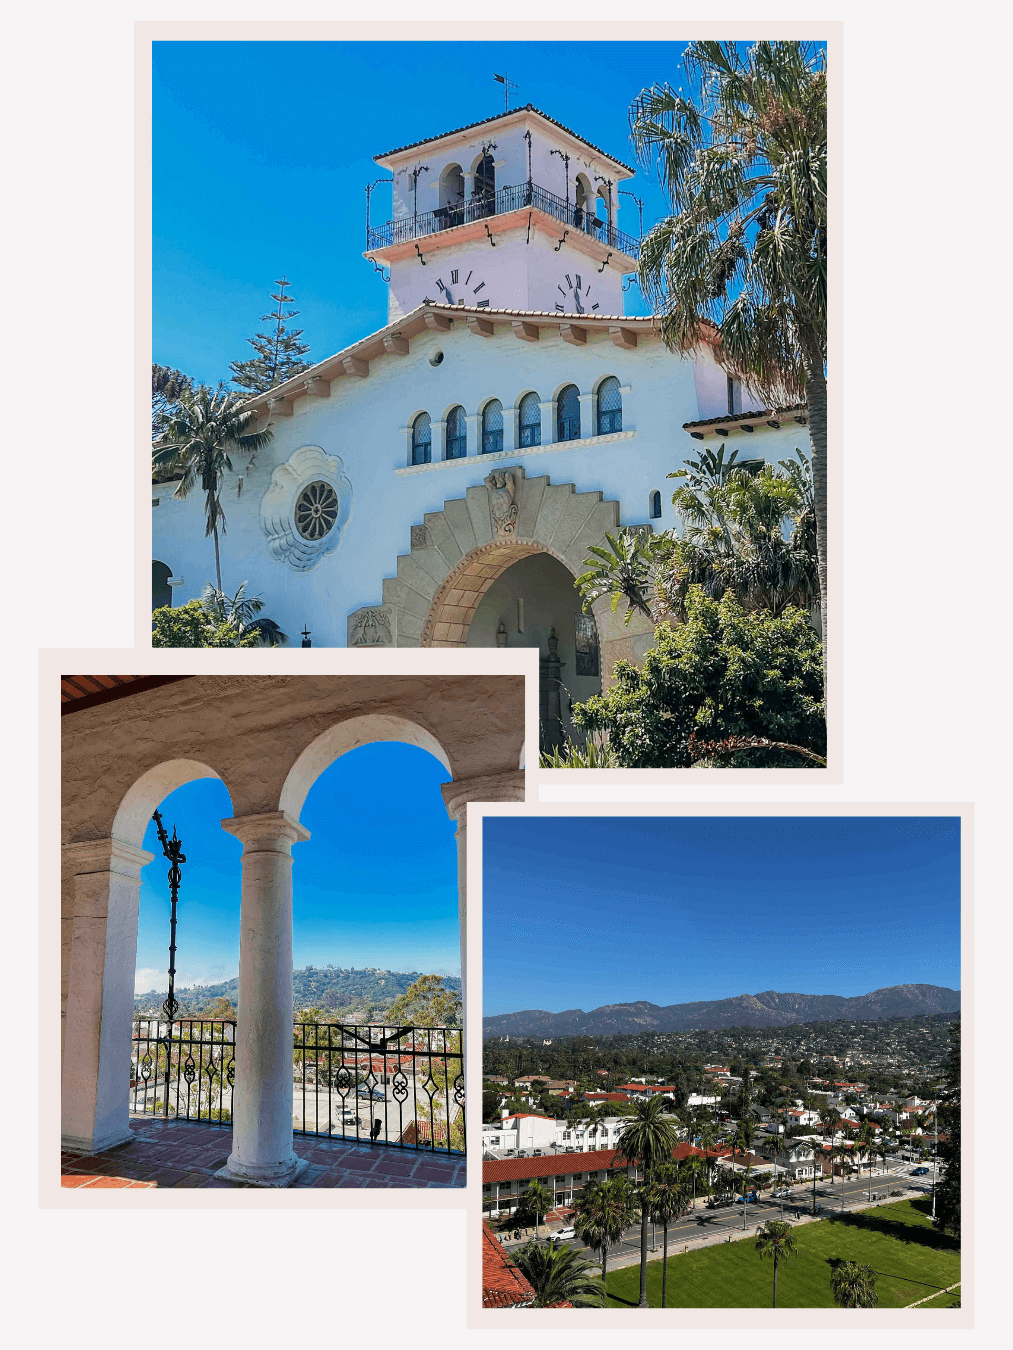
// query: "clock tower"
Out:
[516,212]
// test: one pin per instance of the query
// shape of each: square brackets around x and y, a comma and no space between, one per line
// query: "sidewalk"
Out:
[187,1154]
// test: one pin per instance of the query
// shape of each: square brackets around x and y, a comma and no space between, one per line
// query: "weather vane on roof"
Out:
[507,84]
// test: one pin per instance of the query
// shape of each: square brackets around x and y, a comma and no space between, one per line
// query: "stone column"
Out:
[587,420]
[548,409]
[496,787]
[262,1098]
[106,878]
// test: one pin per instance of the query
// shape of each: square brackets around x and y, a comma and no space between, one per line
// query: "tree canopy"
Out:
[722,673]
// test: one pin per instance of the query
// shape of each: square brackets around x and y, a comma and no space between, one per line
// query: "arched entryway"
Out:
[521,594]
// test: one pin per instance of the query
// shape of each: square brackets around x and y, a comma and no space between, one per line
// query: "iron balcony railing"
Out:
[399,1086]
[421,224]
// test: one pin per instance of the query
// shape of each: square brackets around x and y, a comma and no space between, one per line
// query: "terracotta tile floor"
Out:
[185,1153]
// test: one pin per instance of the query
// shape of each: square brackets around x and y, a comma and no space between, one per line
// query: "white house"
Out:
[441,481]
[515,1133]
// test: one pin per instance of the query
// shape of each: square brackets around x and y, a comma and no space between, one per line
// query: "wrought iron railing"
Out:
[402,1086]
[399,1086]
[184,1069]
[421,224]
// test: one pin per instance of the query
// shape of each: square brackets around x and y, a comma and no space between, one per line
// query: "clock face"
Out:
[576,295]
[464,287]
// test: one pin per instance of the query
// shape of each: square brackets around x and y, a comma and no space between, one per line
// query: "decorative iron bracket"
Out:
[491,239]
[419,252]
[561,242]
[384,273]
[606,262]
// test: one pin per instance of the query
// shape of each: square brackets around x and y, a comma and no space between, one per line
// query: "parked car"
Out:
[920,1172]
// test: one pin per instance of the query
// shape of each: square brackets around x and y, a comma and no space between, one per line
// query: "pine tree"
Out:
[278,353]
[948,1186]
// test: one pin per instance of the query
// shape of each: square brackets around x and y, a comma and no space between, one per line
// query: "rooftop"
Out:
[503,1285]
[516,114]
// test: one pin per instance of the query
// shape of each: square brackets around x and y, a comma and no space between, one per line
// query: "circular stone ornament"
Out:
[306,508]
[316,510]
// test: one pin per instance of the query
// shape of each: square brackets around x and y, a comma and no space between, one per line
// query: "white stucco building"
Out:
[440,482]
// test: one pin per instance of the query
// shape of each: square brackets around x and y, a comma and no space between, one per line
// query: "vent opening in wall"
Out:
[436,359]
[655,505]
[316,510]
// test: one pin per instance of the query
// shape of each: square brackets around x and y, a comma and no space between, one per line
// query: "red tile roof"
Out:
[562,1164]
[503,1285]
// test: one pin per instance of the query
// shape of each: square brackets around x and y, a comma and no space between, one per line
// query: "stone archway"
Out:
[459,551]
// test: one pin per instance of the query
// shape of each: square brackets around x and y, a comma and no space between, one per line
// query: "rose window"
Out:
[316,510]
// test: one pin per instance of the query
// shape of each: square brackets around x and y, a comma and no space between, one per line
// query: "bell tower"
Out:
[516,212]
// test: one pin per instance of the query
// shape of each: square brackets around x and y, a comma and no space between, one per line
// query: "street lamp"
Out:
[172,850]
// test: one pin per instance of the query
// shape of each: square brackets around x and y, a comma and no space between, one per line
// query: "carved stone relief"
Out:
[371,627]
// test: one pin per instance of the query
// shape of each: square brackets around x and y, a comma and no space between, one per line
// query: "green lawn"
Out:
[897,1240]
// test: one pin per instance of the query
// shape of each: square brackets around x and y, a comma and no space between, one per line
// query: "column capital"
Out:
[263,832]
[493,787]
[105,855]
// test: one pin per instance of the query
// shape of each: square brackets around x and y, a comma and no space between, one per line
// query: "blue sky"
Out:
[583,911]
[356,901]
[262,152]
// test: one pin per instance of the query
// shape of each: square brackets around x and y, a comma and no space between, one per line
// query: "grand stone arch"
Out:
[457,553]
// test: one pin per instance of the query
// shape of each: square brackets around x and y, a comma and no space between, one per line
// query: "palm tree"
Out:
[650,1140]
[238,611]
[864,1141]
[775,1238]
[536,1200]
[692,1167]
[854,1285]
[842,1151]
[743,257]
[603,1213]
[196,439]
[666,1199]
[559,1275]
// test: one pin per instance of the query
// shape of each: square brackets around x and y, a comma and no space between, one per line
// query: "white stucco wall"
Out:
[521,270]
[365,423]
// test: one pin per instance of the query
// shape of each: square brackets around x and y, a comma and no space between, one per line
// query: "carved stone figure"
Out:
[370,628]
[503,485]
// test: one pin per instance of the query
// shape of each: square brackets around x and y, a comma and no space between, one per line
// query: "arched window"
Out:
[610,407]
[451,209]
[530,420]
[484,191]
[580,200]
[161,591]
[457,434]
[655,505]
[492,427]
[602,220]
[568,414]
[422,439]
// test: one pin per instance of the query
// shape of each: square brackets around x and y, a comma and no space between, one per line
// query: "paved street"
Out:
[706,1226]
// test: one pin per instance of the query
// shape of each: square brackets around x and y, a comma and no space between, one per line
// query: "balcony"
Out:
[517,198]
[371,1105]
[189,1154]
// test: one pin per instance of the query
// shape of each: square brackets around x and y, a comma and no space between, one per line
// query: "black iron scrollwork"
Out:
[172,849]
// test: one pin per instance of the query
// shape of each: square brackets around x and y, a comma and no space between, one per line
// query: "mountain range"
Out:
[769,1009]
[325,987]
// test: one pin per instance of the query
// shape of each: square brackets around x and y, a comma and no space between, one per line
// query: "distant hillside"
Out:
[327,987]
[769,1009]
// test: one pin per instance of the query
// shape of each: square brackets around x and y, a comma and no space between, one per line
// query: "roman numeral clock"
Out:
[470,289]
[576,295]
